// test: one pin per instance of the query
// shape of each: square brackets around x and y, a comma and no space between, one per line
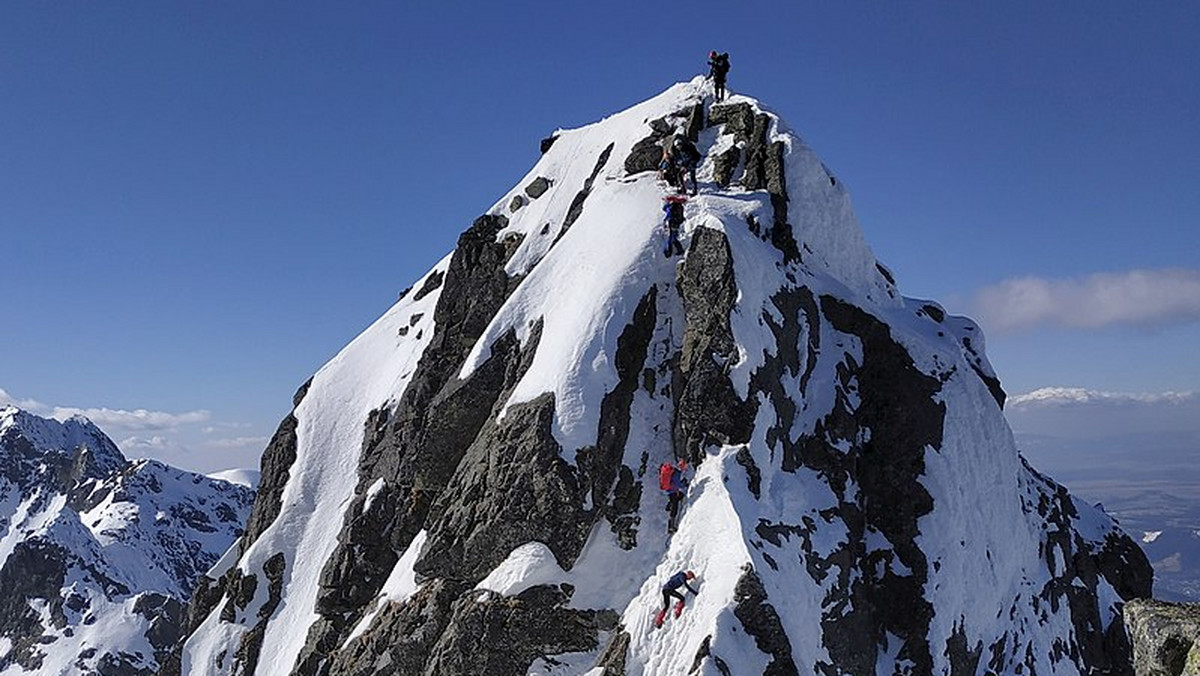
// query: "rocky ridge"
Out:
[469,487]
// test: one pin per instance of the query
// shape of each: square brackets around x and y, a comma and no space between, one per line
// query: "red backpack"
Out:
[666,472]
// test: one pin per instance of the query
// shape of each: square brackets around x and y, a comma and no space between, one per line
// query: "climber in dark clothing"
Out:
[687,158]
[673,220]
[668,167]
[671,590]
[718,68]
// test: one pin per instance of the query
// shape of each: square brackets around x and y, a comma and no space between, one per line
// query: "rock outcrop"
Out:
[471,485]
[1165,637]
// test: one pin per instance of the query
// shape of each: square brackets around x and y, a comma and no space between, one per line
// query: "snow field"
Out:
[368,373]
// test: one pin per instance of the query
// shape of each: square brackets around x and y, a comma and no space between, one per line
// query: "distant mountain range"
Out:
[99,554]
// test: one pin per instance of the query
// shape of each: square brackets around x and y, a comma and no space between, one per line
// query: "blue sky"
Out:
[201,202]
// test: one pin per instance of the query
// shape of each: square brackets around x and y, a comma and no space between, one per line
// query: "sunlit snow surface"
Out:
[583,285]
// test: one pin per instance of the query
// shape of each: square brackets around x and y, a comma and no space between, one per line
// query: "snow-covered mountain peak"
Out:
[98,555]
[65,451]
[472,485]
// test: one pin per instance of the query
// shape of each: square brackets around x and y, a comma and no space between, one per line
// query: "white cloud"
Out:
[1067,396]
[140,419]
[31,405]
[185,440]
[1147,298]
[1071,412]
[238,442]
[154,443]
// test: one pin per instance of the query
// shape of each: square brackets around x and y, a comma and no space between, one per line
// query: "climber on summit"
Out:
[671,590]
[672,480]
[673,208]
[718,68]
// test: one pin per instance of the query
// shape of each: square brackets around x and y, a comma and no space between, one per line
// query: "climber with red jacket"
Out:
[671,590]
[672,480]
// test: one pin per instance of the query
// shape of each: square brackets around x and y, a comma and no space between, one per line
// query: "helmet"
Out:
[691,575]
[712,54]
[683,463]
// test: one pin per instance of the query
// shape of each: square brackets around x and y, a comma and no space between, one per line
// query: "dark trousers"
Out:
[719,88]
[673,501]
[668,594]
[673,245]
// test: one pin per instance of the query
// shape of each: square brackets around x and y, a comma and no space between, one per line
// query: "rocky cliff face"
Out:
[470,487]
[1165,636]
[99,555]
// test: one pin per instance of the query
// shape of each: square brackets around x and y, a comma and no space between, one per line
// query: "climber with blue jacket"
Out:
[673,220]
[672,480]
[671,590]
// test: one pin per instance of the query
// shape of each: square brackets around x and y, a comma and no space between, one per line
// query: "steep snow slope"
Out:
[99,555]
[471,486]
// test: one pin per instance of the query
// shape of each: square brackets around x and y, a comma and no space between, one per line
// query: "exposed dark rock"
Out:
[446,629]
[695,122]
[166,620]
[612,660]
[276,462]
[547,142]
[502,636]
[1075,566]
[798,326]
[512,487]
[738,119]
[897,403]
[517,202]
[432,283]
[705,651]
[645,155]
[776,184]
[537,187]
[576,207]
[725,164]
[761,621]
[402,636]
[1165,636]
[600,465]
[372,539]
[415,448]
[33,570]
[247,654]
[756,149]
[753,475]
[976,361]
[887,274]
[964,659]
[707,410]
[935,313]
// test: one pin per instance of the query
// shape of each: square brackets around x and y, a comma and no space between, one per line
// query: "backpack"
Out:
[690,154]
[674,214]
[666,472]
